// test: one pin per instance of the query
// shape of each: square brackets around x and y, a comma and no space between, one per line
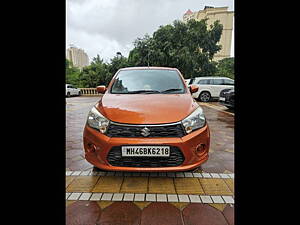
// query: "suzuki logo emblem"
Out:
[145,132]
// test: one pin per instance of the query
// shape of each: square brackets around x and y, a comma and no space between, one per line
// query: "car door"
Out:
[68,89]
[228,83]
[75,90]
[72,90]
[203,85]
[217,87]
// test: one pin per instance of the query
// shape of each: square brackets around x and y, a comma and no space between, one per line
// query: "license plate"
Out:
[221,99]
[148,151]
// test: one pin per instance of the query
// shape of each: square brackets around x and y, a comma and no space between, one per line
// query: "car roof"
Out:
[150,68]
[212,78]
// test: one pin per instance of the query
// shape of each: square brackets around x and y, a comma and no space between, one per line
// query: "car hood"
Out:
[146,108]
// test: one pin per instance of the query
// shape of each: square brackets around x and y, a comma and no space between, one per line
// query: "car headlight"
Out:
[194,121]
[97,120]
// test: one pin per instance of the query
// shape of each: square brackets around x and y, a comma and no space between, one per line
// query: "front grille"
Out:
[115,159]
[230,99]
[116,130]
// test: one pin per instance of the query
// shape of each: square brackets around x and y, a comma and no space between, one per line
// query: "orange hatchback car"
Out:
[146,121]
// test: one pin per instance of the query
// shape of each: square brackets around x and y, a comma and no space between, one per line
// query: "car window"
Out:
[218,81]
[155,80]
[70,86]
[205,81]
[228,82]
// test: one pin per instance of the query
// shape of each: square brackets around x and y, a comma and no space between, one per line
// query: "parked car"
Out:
[71,90]
[210,87]
[227,98]
[148,121]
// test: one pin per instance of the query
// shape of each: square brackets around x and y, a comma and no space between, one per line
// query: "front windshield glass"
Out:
[148,81]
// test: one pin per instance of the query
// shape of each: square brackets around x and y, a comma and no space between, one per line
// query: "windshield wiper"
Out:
[142,91]
[170,90]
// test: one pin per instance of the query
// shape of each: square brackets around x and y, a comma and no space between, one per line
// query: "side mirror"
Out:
[193,88]
[101,89]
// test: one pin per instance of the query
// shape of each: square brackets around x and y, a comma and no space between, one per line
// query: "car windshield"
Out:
[148,81]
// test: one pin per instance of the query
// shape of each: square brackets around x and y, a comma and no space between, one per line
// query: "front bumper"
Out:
[102,144]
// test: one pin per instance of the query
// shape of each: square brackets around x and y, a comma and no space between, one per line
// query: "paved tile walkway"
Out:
[176,189]
[147,213]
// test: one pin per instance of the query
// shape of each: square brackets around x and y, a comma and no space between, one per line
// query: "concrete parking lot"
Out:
[205,195]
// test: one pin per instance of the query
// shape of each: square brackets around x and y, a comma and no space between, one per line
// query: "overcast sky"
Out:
[105,27]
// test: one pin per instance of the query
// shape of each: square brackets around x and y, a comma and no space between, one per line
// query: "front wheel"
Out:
[68,94]
[204,96]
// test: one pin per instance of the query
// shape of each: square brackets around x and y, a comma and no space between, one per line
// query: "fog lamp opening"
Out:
[200,148]
[91,147]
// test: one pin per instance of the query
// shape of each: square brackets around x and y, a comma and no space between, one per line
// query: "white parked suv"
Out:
[210,87]
[71,91]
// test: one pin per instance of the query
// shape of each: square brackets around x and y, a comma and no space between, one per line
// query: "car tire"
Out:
[79,93]
[204,96]
[68,95]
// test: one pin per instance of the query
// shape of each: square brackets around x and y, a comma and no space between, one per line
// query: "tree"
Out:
[139,55]
[94,74]
[225,67]
[72,74]
[115,64]
[190,47]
